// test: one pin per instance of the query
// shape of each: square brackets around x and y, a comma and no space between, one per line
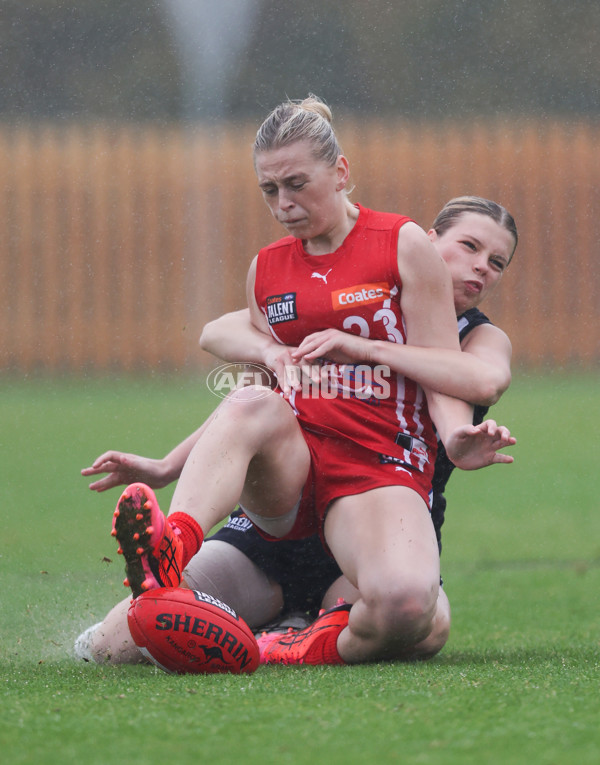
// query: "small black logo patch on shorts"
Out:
[281,308]
[386,459]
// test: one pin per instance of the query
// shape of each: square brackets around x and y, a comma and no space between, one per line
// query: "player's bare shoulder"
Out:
[417,257]
[411,235]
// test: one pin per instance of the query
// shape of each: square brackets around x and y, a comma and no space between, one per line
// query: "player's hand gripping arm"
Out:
[479,376]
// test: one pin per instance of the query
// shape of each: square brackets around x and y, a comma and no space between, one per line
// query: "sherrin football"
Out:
[186,631]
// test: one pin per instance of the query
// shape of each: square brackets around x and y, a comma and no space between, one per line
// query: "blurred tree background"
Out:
[111,60]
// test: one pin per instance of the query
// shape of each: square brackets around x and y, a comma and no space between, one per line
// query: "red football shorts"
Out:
[340,468]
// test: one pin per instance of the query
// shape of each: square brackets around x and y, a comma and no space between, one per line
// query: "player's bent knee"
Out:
[255,398]
[402,615]
[256,395]
[256,408]
[434,642]
[438,637]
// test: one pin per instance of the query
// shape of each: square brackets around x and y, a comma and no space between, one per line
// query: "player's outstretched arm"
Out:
[124,468]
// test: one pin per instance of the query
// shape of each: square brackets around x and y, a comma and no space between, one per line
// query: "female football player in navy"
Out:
[355,467]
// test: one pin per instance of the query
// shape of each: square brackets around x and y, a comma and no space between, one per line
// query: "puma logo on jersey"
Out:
[317,275]
[359,294]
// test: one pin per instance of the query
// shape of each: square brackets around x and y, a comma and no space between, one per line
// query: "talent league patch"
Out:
[281,308]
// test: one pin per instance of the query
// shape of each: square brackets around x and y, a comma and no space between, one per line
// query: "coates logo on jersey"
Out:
[281,308]
[359,294]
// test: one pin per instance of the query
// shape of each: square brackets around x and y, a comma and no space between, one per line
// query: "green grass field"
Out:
[518,681]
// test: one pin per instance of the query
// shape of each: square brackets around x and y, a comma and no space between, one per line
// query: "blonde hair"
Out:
[302,120]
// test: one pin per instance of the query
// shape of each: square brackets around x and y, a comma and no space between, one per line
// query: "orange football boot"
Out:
[314,645]
[152,550]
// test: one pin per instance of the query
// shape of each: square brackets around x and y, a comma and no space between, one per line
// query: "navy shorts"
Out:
[301,567]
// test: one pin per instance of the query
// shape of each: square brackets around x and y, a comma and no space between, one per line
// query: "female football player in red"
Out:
[263,580]
[352,461]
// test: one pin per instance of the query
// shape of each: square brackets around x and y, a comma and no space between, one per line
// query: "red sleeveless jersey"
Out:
[355,289]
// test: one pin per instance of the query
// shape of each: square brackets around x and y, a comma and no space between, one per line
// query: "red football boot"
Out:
[152,550]
[317,644]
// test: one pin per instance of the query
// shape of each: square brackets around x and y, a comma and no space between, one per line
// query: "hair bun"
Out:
[302,120]
[314,104]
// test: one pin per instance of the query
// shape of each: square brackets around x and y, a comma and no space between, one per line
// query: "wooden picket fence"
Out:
[119,243]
